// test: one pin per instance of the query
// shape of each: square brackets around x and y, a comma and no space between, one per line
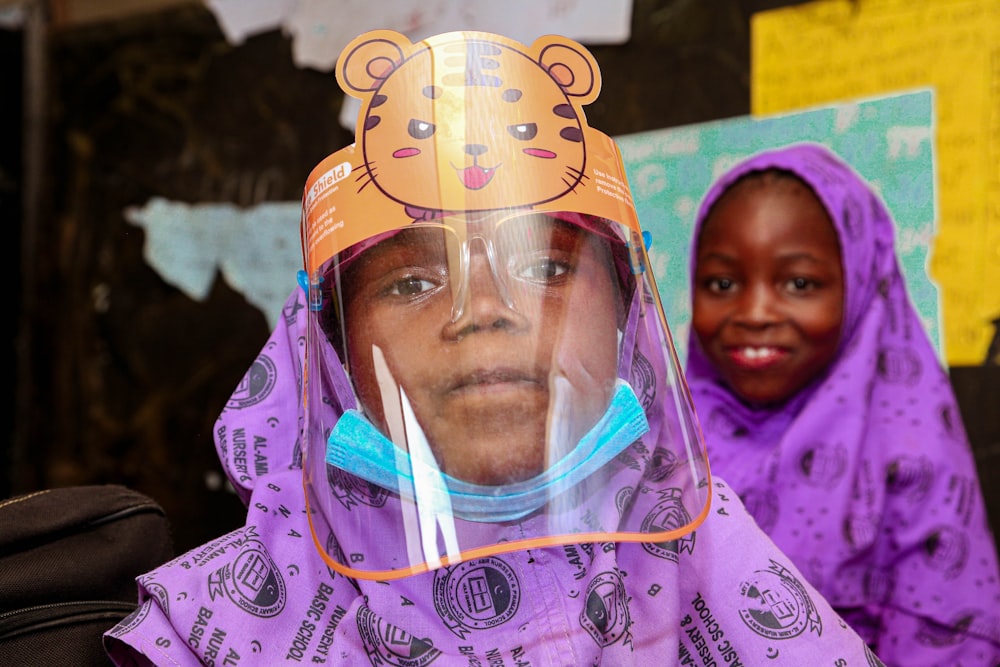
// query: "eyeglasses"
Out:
[526,253]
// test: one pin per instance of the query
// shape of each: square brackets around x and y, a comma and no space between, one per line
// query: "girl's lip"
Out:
[494,378]
[756,357]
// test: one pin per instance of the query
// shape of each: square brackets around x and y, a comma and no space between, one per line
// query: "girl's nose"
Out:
[757,307]
[484,303]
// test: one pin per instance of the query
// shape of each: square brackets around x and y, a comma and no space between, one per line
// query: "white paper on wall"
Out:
[320,28]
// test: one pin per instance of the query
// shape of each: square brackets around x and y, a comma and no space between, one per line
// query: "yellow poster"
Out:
[834,50]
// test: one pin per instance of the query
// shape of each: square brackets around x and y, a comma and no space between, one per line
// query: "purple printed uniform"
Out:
[723,595]
[865,478]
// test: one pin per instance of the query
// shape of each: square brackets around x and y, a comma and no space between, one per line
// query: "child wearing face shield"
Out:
[468,442]
[826,408]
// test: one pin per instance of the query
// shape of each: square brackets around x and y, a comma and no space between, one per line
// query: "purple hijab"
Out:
[865,478]
[262,595]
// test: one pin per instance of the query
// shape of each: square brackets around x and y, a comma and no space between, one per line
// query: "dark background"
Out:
[117,377]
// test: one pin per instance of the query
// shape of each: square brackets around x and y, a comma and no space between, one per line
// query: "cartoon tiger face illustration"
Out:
[470,121]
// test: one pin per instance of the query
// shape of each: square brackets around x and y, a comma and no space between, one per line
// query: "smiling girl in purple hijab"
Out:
[825,407]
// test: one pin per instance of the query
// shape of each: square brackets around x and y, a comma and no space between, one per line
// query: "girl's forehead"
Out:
[769,182]
[786,197]
[774,218]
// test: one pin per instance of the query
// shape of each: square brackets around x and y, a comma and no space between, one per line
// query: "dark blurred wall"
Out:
[126,374]
[11,177]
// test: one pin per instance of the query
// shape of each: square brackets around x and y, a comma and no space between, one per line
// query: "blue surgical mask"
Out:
[355,445]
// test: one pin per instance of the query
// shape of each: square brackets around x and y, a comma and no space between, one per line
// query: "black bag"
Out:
[68,562]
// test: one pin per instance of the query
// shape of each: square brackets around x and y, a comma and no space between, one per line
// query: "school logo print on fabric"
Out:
[476,595]
[668,514]
[252,581]
[644,380]
[946,550]
[719,421]
[351,490]
[605,616]
[899,365]
[762,504]
[822,465]
[291,313]
[951,421]
[662,464]
[878,583]
[910,476]
[132,621]
[932,634]
[337,553]
[873,660]
[853,217]
[387,643]
[776,606]
[256,385]
[157,591]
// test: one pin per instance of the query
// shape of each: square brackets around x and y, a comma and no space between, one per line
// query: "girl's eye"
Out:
[719,284]
[800,284]
[409,286]
[539,269]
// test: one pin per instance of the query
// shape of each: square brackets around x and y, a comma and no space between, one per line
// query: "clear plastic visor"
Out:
[512,384]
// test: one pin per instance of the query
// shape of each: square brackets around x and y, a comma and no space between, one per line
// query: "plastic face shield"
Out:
[488,365]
